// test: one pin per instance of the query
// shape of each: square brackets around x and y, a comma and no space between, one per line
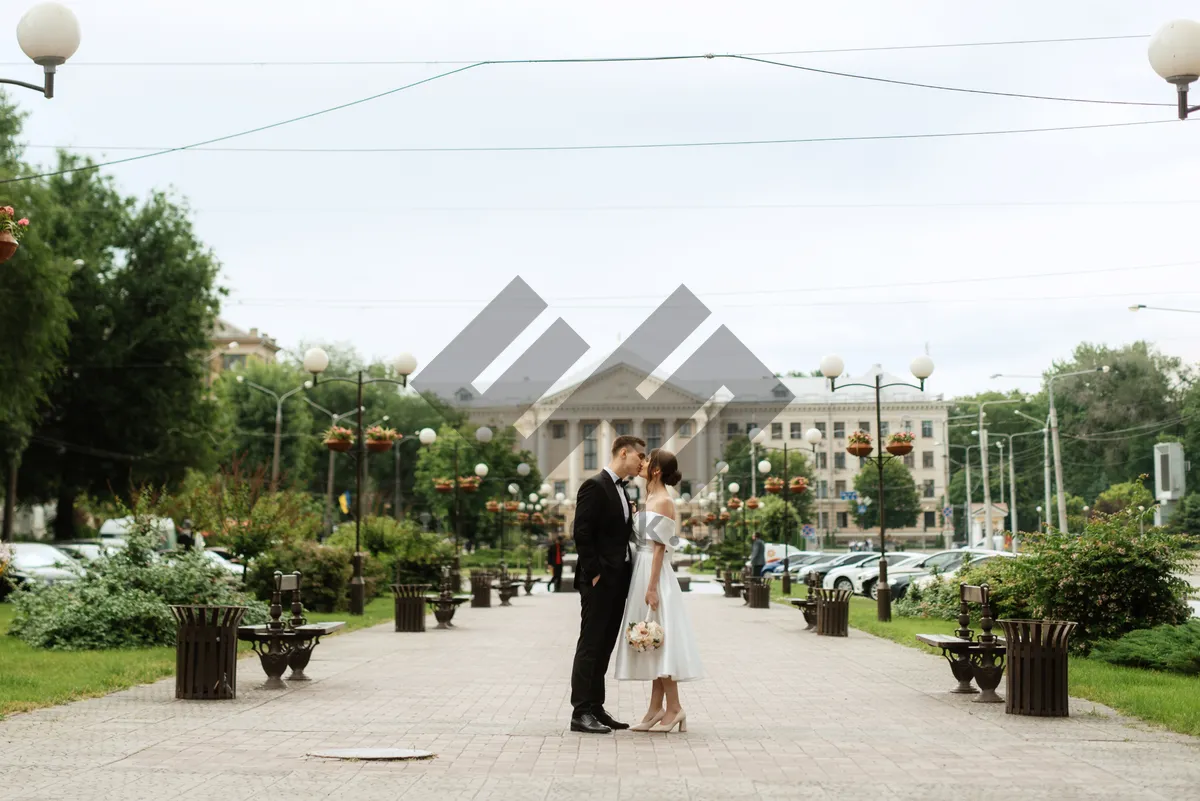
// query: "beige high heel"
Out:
[680,720]
[646,725]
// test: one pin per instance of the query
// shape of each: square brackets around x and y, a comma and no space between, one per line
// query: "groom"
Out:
[603,536]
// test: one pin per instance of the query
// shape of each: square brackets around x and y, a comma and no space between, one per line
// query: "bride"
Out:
[654,593]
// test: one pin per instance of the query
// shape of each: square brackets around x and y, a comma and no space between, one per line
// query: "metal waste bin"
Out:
[481,588]
[1036,683]
[759,593]
[685,583]
[833,612]
[410,606]
[206,651]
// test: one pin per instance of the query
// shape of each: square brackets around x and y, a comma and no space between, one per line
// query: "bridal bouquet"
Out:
[645,635]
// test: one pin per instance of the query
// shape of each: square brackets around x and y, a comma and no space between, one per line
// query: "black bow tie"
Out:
[621,482]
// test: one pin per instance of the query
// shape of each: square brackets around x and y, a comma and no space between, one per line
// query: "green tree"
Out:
[249,415]
[1127,495]
[900,495]
[778,521]
[132,406]
[737,455]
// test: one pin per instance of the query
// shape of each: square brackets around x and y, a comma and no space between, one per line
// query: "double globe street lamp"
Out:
[921,367]
[49,35]
[316,362]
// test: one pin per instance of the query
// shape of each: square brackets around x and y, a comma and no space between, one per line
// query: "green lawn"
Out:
[1171,700]
[31,678]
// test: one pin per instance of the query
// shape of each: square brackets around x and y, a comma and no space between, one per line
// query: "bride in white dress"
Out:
[654,590]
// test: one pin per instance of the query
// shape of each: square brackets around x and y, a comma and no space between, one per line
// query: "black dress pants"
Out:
[601,609]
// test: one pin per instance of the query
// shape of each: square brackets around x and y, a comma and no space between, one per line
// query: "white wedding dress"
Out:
[678,658]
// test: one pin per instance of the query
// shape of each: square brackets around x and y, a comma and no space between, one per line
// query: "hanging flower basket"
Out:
[522,517]
[492,506]
[724,518]
[900,443]
[859,444]
[537,519]
[753,503]
[710,518]
[798,485]
[511,506]
[443,485]
[380,439]
[11,231]
[339,439]
[773,485]
[734,504]
[468,483]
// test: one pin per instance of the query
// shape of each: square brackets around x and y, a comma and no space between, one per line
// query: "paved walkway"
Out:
[784,715]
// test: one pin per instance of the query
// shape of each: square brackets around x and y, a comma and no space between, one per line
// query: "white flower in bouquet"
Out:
[644,635]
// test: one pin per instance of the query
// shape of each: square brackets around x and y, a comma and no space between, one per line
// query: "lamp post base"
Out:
[883,594]
[357,587]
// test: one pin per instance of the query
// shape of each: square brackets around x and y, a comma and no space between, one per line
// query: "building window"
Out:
[822,460]
[653,436]
[927,459]
[927,487]
[927,429]
[685,428]
[796,431]
[558,430]
[732,429]
[839,488]
[862,462]
[750,427]
[776,430]
[930,520]
[589,446]
[820,427]
[622,429]
[822,489]
[864,426]
[843,520]
[233,362]
[780,391]
[463,395]
[560,486]
[839,461]
[884,429]
[839,430]
[910,460]
[906,425]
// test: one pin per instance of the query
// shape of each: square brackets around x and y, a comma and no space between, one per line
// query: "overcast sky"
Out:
[397,251]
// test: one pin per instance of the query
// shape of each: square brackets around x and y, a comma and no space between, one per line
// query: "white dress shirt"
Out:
[624,507]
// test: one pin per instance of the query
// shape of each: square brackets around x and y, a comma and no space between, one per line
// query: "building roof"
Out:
[225,331]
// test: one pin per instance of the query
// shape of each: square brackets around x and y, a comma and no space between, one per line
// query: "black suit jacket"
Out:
[602,534]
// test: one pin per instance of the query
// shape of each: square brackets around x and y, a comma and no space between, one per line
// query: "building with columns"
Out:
[572,440]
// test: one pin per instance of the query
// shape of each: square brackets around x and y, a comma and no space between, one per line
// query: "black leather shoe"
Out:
[588,724]
[608,720]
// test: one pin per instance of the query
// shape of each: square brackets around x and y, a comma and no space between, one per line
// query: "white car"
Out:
[833,561]
[942,561]
[925,581]
[118,527]
[851,577]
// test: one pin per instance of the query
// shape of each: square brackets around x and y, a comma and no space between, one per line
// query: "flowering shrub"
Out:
[10,224]
[1108,579]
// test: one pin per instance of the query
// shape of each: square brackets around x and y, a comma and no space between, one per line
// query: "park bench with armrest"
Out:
[982,658]
[281,645]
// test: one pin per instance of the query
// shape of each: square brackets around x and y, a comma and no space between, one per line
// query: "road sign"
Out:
[809,531]
[948,512]
[850,496]
[862,510]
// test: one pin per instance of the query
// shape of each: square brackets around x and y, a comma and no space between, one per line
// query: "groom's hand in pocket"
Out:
[595,581]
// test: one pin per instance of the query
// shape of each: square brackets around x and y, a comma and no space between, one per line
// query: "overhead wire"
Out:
[464,68]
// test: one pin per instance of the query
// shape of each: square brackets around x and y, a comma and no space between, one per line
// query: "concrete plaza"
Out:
[784,714]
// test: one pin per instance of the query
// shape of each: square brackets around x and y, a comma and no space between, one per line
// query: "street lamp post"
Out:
[426,436]
[1058,471]
[832,368]
[1045,431]
[279,399]
[316,361]
[967,518]
[334,417]
[1174,53]
[49,35]
[982,432]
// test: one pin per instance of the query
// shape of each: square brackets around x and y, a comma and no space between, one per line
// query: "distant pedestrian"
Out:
[554,561]
[184,538]
[758,555]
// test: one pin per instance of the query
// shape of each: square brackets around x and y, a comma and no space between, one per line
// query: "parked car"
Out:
[847,577]
[940,562]
[833,561]
[223,563]
[118,527]
[39,562]
[794,559]
[84,551]
[927,579]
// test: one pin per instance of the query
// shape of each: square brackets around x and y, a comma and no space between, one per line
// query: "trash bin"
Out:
[833,612]
[1037,667]
[759,593]
[410,606]
[685,583]
[206,652]
[481,589]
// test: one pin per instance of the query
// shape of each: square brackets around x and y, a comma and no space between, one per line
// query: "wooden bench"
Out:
[808,605]
[982,658]
[733,589]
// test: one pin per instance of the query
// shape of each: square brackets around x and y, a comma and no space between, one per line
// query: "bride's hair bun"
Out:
[665,462]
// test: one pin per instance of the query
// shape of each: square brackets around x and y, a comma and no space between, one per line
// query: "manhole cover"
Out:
[373,753]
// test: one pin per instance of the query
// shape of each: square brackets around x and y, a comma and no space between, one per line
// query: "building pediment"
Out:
[618,386]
